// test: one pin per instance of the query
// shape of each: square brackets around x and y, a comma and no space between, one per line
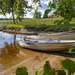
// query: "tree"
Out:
[3,6]
[15,27]
[16,7]
[10,8]
[65,9]
[20,7]
[46,13]
[7,6]
[37,14]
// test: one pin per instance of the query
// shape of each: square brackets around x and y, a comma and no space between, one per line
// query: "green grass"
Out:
[40,24]
[31,21]
[15,26]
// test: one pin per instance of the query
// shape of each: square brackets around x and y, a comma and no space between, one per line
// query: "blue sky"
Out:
[44,4]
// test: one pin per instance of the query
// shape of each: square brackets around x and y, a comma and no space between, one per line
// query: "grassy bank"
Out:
[40,24]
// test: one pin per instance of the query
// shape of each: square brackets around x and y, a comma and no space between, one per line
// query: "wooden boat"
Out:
[47,45]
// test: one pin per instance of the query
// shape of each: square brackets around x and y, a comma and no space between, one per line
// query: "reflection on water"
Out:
[5,37]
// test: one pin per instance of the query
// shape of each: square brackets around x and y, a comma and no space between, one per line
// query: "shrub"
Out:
[47,69]
[69,65]
[37,73]
[61,72]
[21,71]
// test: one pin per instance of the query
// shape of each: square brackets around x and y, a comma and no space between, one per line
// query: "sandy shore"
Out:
[30,59]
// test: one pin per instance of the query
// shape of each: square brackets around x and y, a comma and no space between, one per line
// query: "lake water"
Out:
[5,37]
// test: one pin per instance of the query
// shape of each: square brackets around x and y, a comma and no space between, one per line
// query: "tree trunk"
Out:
[15,50]
[15,40]
[13,17]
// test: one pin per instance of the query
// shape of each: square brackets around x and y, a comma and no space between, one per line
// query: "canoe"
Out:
[47,45]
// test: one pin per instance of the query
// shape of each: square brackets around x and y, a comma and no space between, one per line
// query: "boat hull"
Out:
[47,47]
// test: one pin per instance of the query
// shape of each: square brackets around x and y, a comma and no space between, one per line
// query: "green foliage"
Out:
[64,8]
[15,26]
[46,13]
[16,7]
[21,71]
[47,69]
[37,14]
[71,49]
[61,72]
[37,73]
[20,6]
[46,25]
[51,5]
[69,65]
[3,6]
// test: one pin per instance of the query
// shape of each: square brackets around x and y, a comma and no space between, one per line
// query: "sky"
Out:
[44,4]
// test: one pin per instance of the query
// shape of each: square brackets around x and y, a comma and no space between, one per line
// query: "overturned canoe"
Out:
[47,45]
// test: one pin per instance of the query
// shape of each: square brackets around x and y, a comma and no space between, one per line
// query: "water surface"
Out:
[5,37]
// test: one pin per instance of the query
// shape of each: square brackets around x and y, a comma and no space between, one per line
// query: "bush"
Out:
[69,65]
[14,26]
[37,73]
[61,72]
[21,71]
[47,69]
